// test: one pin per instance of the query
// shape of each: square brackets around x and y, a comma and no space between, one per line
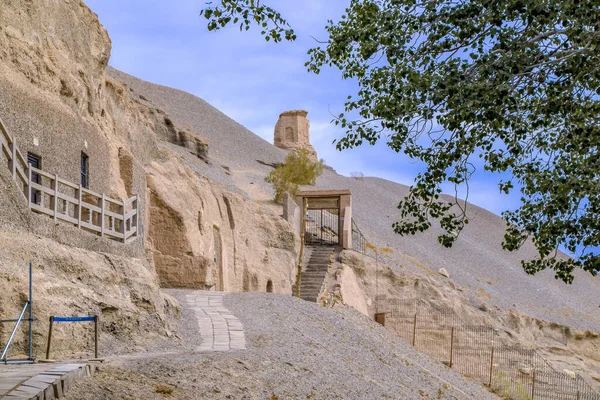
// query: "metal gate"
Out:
[323,226]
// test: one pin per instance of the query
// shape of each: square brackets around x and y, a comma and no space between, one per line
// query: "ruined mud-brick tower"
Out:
[292,132]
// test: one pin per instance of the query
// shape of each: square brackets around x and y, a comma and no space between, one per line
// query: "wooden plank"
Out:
[114,234]
[113,215]
[67,218]
[20,157]
[123,229]
[41,209]
[4,131]
[79,207]
[67,198]
[91,207]
[129,201]
[21,173]
[42,173]
[92,193]
[67,183]
[43,189]
[54,198]
[102,206]
[90,226]
[130,214]
[112,201]
[12,164]
[131,232]
[28,188]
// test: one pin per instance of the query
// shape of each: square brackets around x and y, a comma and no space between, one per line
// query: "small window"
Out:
[85,171]
[36,162]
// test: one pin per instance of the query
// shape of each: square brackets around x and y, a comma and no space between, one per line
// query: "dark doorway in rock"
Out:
[218,257]
[269,286]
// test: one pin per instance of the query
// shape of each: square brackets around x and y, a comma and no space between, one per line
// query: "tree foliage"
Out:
[512,87]
[298,169]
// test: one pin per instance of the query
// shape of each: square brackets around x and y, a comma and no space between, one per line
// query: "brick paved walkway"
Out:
[219,328]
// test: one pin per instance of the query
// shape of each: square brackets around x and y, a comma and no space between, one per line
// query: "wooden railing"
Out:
[65,201]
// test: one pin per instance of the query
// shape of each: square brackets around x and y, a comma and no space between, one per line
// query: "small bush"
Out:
[166,390]
[298,169]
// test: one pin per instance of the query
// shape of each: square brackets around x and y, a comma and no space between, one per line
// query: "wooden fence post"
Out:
[13,162]
[124,222]
[491,366]
[102,205]
[54,202]
[79,206]
[414,331]
[533,384]
[49,338]
[28,188]
[451,345]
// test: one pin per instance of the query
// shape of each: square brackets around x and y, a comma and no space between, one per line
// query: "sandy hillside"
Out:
[477,263]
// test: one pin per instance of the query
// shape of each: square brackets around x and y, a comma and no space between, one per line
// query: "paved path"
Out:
[219,328]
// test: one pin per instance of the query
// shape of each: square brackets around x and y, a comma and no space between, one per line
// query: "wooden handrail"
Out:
[22,171]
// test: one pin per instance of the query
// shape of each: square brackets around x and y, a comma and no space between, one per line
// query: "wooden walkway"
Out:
[39,381]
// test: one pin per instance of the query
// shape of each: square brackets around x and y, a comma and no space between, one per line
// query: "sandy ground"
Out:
[296,350]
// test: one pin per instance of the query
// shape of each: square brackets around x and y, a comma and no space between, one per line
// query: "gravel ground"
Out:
[475,260]
[296,350]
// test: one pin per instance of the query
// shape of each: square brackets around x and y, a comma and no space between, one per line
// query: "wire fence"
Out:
[477,352]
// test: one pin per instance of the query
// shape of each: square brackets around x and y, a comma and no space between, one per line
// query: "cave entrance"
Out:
[218,258]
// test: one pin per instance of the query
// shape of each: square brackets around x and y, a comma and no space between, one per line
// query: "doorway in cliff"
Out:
[218,257]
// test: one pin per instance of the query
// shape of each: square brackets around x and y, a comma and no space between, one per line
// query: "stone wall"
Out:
[292,132]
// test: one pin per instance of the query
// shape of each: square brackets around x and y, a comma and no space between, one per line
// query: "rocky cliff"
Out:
[58,101]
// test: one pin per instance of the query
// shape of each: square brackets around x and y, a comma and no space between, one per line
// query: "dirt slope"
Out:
[295,350]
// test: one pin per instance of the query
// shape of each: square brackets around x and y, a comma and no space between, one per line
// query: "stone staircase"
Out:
[313,277]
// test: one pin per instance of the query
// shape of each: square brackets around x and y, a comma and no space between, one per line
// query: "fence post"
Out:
[95,336]
[533,384]
[28,188]
[491,366]
[414,331]
[79,207]
[124,222]
[49,337]
[451,345]
[102,205]
[54,202]
[13,163]
[134,219]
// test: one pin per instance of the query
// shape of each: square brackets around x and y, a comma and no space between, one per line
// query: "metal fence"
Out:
[476,351]
[323,226]
[359,241]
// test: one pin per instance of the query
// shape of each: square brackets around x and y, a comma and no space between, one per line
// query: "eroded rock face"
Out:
[292,132]
[205,237]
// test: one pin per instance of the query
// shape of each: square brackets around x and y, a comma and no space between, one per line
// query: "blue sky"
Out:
[253,81]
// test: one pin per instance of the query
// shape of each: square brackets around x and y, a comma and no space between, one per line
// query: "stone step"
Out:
[308,282]
[311,282]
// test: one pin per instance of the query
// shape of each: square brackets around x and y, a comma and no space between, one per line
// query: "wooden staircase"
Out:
[313,277]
